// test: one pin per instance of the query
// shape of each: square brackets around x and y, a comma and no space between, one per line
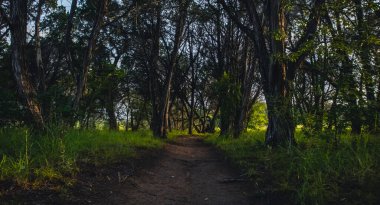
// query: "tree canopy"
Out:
[196,65]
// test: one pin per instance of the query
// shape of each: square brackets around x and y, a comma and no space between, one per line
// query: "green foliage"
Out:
[172,135]
[311,173]
[177,133]
[230,93]
[373,40]
[50,158]
[259,117]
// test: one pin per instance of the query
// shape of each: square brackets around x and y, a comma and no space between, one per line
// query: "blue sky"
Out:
[65,3]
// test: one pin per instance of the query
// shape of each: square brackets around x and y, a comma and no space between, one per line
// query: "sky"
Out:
[65,3]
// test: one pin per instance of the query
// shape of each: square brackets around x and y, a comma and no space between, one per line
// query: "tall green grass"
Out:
[314,172]
[35,160]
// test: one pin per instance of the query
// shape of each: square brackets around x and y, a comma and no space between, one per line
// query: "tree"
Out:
[27,91]
[83,73]
[277,69]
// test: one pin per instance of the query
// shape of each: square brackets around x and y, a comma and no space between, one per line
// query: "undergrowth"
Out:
[313,172]
[174,134]
[34,161]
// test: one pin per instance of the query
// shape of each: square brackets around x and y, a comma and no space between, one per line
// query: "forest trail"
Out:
[189,172]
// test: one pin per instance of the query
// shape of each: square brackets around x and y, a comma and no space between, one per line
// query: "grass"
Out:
[314,172]
[172,135]
[176,133]
[33,161]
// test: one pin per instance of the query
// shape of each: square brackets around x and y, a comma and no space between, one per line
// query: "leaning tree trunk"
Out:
[247,100]
[28,93]
[165,99]
[83,74]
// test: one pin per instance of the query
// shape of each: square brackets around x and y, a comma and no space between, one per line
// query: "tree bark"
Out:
[110,109]
[39,62]
[192,86]
[281,127]
[68,37]
[154,89]
[277,91]
[25,87]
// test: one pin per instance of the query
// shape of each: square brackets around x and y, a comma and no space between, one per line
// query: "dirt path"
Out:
[189,172]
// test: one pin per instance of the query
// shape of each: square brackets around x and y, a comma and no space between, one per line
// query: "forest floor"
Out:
[185,171]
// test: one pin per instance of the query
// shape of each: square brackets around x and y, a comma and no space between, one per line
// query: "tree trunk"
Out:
[127,120]
[247,100]
[154,89]
[377,121]
[68,37]
[112,118]
[82,75]
[41,82]
[224,120]
[132,121]
[162,122]
[368,70]
[137,120]
[278,97]
[277,91]
[280,129]
[39,62]
[277,73]
[28,93]
[212,121]
[192,104]
[182,117]
[320,112]
[110,108]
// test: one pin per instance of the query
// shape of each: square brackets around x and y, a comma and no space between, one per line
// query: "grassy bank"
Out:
[314,172]
[34,161]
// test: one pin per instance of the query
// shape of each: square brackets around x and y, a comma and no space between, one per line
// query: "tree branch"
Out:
[309,33]
[3,16]
[243,27]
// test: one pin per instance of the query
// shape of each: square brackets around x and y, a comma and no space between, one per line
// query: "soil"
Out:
[187,171]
